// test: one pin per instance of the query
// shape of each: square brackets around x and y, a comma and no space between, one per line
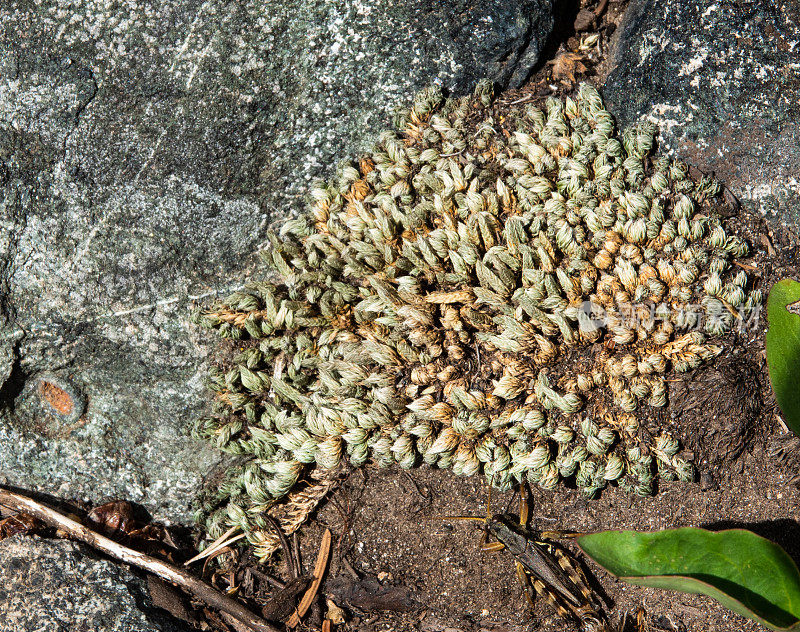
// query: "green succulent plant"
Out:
[496,293]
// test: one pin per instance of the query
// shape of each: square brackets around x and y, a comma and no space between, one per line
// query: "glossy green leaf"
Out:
[783,348]
[743,571]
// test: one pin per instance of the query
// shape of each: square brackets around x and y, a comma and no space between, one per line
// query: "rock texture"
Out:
[144,148]
[60,586]
[722,79]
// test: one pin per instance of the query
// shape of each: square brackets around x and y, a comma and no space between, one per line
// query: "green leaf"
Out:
[743,571]
[783,348]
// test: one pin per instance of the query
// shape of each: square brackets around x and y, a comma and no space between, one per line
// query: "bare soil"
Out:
[387,527]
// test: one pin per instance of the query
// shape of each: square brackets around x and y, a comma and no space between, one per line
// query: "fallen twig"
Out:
[177,576]
[291,564]
[319,572]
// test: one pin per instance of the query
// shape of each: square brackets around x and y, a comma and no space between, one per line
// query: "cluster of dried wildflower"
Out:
[431,308]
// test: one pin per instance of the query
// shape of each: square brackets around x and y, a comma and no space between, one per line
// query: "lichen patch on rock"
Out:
[61,397]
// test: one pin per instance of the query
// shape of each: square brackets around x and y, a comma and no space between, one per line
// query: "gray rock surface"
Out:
[59,586]
[144,148]
[722,79]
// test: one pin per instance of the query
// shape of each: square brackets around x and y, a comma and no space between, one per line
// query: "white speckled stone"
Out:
[722,81]
[60,586]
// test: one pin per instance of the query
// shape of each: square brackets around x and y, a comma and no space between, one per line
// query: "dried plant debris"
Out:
[505,303]
[721,411]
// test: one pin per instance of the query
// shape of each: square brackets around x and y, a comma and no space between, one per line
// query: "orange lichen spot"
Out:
[61,401]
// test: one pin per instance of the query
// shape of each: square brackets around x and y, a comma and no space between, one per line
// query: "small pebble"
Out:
[707,483]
